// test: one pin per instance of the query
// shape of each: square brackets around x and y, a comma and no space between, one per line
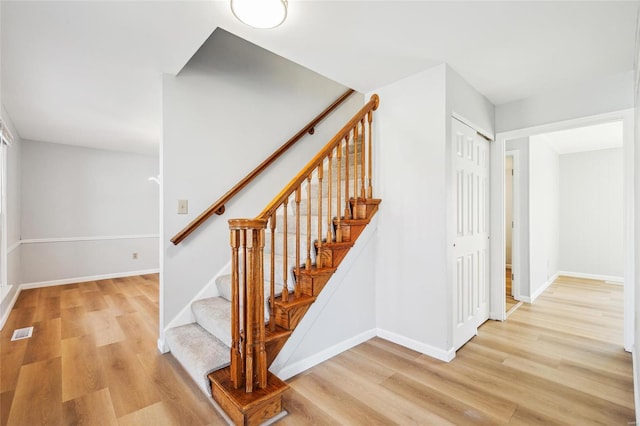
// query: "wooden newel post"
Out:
[248,352]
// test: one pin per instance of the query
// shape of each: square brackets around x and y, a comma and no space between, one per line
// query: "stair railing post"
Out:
[236,351]
[251,312]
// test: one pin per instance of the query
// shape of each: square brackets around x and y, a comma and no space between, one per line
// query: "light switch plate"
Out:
[183,206]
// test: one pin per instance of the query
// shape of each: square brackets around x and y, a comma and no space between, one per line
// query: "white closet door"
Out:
[471,239]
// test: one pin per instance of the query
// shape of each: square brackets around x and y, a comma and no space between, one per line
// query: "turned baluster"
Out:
[243,314]
[307,265]
[320,176]
[298,198]
[258,301]
[329,182]
[362,193]
[272,278]
[338,195]
[236,352]
[355,166]
[254,330]
[370,188]
[347,206]
[285,252]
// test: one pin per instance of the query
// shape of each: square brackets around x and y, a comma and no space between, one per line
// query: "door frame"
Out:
[497,206]
[515,231]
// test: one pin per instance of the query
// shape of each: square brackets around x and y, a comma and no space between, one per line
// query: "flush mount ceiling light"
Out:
[260,13]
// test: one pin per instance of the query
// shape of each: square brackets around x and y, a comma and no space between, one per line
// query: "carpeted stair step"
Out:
[291,224]
[223,283]
[198,351]
[214,315]
[291,244]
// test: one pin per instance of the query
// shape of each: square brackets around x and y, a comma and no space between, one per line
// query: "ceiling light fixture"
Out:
[261,14]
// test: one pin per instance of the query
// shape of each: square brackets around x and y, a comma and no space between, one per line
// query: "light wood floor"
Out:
[93,360]
[557,361]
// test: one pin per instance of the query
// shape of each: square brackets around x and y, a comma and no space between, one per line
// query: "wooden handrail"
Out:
[372,105]
[219,206]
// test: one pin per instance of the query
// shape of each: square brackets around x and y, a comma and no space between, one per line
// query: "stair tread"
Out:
[278,333]
[214,315]
[294,301]
[199,352]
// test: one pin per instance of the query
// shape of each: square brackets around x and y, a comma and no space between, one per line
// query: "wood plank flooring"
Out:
[93,361]
[557,361]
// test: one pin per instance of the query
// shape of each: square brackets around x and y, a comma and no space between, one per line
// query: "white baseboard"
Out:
[7,312]
[610,279]
[86,279]
[541,290]
[432,351]
[162,346]
[305,364]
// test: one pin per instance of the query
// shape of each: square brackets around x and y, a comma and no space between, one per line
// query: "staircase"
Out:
[281,261]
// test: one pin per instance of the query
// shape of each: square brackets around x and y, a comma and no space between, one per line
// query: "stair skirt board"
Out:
[199,352]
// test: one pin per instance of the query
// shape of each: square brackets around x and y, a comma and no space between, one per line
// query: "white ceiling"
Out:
[90,73]
[590,138]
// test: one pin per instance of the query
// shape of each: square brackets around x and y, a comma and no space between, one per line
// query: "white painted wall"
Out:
[416,224]
[521,145]
[81,211]
[591,213]
[228,109]
[611,93]
[411,274]
[544,215]
[508,207]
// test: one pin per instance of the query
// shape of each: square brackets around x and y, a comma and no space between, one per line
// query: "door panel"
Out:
[471,242]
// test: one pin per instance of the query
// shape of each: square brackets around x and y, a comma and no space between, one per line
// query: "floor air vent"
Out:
[22,333]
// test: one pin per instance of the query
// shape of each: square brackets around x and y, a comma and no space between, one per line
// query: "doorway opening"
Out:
[539,264]
[512,298]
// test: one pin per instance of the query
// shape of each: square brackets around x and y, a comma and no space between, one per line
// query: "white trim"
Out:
[94,238]
[86,279]
[14,246]
[162,345]
[508,265]
[315,359]
[516,230]
[5,317]
[613,279]
[480,130]
[497,257]
[424,348]
[542,288]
